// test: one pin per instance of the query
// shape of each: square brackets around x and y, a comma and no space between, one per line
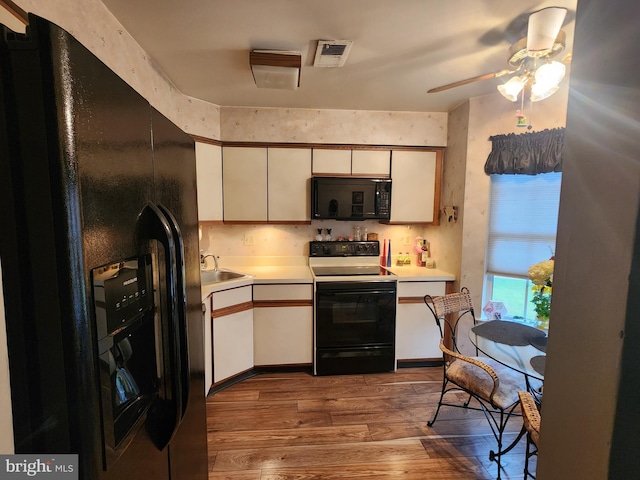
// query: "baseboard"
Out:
[307,368]
[301,367]
[420,362]
[259,370]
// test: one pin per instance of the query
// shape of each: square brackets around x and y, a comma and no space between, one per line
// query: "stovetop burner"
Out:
[347,261]
[338,271]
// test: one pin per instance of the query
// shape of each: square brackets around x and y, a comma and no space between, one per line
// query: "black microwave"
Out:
[350,198]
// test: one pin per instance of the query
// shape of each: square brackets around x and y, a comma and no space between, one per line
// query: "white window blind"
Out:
[523,220]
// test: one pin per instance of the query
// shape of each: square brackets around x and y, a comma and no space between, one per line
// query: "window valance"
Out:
[527,153]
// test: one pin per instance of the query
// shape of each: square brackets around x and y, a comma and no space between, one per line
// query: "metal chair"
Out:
[531,422]
[492,385]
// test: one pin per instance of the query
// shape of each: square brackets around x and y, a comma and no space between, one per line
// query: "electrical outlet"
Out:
[406,240]
[248,239]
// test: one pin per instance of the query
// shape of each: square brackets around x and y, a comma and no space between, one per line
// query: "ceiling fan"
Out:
[531,59]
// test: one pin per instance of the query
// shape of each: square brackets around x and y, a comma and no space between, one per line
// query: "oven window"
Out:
[359,309]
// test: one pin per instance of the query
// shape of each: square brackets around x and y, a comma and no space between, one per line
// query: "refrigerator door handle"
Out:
[165,415]
[181,286]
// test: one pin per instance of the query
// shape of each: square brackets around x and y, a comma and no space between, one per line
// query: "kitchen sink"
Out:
[215,276]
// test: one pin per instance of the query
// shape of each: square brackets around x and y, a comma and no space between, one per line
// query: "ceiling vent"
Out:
[332,53]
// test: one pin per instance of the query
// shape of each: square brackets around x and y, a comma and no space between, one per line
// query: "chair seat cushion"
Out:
[479,382]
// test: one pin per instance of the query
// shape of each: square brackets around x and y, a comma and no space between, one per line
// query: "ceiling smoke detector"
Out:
[332,53]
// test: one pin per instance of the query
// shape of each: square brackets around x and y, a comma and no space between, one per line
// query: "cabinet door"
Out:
[283,335]
[244,177]
[209,181]
[232,332]
[331,162]
[417,335]
[232,344]
[375,163]
[283,324]
[289,185]
[415,185]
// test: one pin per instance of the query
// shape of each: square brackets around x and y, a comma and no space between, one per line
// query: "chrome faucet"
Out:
[203,261]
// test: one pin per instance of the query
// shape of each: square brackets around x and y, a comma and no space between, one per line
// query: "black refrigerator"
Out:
[100,265]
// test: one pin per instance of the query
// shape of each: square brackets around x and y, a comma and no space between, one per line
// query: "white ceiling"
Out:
[401,48]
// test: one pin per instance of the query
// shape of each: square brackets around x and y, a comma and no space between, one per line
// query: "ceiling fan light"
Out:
[540,92]
[550,73]
[512,88]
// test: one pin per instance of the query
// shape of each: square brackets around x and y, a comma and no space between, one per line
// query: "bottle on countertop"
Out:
[429,261]
[319,237]
[383,257]
[399,260]
[407,259]
[424,255]
[389,254]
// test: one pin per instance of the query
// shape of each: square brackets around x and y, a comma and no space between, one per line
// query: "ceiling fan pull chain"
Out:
[521,119]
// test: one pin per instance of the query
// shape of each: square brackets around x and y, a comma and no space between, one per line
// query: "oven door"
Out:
[355,314]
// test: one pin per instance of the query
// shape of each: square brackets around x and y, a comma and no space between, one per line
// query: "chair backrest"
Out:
[530,416]
[456,304]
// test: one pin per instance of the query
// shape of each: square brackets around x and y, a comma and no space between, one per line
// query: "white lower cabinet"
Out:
[232,332]
[283,324]
[417,335]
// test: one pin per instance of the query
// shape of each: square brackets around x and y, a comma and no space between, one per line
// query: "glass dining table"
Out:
[515,344]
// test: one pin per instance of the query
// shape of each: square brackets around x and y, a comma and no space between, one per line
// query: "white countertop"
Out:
[294,270]
[411,273]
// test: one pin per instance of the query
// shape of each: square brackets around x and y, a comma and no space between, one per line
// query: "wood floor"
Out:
[294,426]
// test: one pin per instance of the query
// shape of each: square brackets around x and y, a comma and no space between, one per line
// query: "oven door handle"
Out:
[355,292]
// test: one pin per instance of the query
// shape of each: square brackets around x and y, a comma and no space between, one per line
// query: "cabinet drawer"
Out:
[420,289]
[283,292]
[233,296]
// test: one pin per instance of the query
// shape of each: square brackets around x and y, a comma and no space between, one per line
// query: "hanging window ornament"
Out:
[521,120]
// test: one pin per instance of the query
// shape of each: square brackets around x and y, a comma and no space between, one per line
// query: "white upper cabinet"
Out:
[415,193]
[244,174]
[331,162]
[289,185]
[364,163]
[371,162]
[266,184]
[209,168]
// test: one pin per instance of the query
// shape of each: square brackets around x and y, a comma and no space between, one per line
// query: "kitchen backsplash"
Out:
[293,240]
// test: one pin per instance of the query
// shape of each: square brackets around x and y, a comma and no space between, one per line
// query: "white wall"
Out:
[6,425]
[250,124]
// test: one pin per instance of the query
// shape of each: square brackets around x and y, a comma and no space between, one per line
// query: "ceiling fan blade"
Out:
[459,83]
[544,26]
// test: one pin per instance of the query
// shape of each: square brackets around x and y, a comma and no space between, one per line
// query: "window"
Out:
[523,218]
